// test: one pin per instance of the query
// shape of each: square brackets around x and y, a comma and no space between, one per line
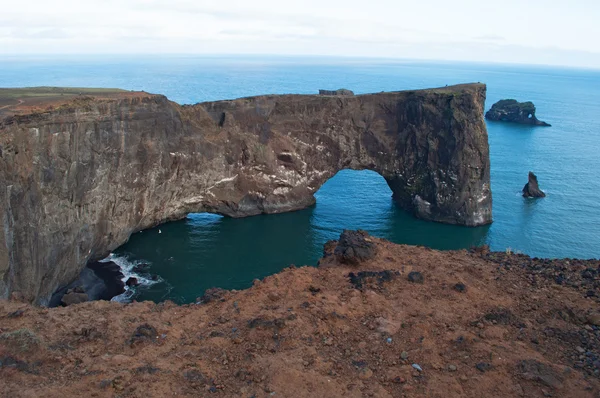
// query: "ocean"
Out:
[206,250]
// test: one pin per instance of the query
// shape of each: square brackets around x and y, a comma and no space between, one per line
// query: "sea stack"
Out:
[532,189]
[513,111]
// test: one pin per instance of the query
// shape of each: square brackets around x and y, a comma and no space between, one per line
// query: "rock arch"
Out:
[79,180]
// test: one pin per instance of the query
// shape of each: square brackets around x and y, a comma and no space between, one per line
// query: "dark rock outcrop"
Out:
[77,180]
[532,189]
[510,110]
[73,296]
[355,247]
[132,282]
[340,91]
[111,275]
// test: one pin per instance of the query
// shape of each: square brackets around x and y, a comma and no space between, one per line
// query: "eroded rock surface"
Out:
[510,110]
[78,179]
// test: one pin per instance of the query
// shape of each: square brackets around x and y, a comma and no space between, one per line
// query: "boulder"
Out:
[532,189]
[111,274]
[132,282]
[510,110]
[73,297]
[355,247]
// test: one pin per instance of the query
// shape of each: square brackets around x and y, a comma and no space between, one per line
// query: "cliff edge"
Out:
[374,319]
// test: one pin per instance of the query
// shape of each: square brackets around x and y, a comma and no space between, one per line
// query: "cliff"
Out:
[82,173]
[479,324]
[510,110]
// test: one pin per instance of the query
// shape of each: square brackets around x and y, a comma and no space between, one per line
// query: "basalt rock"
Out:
[355,247]
[532,189]
[78,179]
[510,110]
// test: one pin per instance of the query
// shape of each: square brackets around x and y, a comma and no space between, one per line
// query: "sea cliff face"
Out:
[80,178]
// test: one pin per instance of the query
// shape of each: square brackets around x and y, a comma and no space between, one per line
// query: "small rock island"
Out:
[513,111]
[532,189]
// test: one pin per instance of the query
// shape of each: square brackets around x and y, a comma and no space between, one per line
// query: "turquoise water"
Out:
[204,250]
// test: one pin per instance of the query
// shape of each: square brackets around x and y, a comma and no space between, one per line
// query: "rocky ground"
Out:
[374,319]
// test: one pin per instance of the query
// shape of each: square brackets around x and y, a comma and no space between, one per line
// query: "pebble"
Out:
[417,366]
[404,355]
[460,287]
[389,340]
[483,366]
[580,350]
[594,319]
[365,373]
[415,277]
[452,368]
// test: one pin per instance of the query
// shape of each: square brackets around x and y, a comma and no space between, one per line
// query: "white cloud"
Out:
[532,31]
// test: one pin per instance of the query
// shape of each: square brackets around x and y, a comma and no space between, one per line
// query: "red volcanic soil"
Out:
[20,101]
[391,321]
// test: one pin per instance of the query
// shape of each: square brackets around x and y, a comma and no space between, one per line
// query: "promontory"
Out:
[82,169]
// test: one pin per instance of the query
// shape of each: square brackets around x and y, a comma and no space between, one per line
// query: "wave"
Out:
[127,267]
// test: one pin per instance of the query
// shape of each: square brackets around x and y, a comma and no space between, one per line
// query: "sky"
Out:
[509,31]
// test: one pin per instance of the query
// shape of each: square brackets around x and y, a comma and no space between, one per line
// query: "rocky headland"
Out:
[510,110]
[374,319]
[83,169]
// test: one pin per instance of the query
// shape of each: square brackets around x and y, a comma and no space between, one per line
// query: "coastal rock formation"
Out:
[340,91]
[334,331]
[532,189]
[77,179]
[510,110]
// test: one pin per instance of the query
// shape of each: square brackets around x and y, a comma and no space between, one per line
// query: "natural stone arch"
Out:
[77,181]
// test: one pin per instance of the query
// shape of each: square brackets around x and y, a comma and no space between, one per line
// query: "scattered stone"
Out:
[532,189]
[16,314]
[143,333]
[532,369]
[483,366]
[371,279]
[452,368]
[365,373]
[460,287]
[417,366]
[355,247]
[314,290]
[594,319]
[415,277]
[195,377]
